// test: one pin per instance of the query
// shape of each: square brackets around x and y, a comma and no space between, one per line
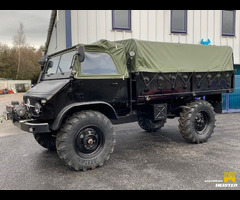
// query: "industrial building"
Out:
[206,27]
[15,85]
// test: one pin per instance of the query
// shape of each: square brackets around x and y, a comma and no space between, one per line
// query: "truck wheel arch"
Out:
[101,106]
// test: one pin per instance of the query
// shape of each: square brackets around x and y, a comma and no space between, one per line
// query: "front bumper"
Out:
[28,125]
[32,126]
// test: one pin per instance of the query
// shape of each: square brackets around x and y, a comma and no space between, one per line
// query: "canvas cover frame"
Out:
[161,57]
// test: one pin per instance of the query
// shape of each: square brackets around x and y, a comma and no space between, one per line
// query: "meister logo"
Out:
[229,176]
[228,180]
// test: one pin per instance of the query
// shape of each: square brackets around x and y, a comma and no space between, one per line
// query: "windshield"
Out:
[59,66]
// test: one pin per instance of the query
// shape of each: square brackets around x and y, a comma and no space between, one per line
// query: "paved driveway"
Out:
[140,160]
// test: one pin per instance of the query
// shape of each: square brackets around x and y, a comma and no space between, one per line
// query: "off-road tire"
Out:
[46,140]
[86,140]
[197,121]
[150,125]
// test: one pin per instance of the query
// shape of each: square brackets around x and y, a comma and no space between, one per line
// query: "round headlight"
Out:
[37,108]
[20,110]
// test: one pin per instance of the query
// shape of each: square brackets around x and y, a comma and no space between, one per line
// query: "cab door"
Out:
[99,79]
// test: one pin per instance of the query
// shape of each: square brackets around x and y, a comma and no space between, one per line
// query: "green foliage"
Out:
[29,67]
[20,61]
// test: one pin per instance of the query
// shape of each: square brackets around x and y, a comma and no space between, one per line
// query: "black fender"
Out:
[101,106]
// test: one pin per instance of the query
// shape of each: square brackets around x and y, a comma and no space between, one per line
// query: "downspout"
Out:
[68,28]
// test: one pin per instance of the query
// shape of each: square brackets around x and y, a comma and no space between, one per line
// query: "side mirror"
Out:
[81,53]
[50,64]
[42,62]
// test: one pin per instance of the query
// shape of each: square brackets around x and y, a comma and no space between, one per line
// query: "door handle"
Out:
[114,84]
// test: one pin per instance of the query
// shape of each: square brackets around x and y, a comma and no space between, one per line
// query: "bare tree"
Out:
[19,41]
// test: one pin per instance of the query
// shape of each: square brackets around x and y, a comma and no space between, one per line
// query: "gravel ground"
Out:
[141,160]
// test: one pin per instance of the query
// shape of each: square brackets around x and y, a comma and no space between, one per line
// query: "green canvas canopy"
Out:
[164,57]
[174,57]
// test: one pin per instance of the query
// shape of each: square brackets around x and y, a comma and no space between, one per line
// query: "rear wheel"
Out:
[86,140]
[197,121]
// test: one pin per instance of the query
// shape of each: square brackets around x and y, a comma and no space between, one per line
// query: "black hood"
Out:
[47,89]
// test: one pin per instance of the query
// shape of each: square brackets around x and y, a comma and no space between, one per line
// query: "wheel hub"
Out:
[88,140]
[201,122]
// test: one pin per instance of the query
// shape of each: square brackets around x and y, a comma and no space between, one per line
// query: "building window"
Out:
[121,19]
[178,21]
[228,22]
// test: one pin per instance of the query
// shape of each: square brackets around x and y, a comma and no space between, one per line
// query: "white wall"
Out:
[91,25]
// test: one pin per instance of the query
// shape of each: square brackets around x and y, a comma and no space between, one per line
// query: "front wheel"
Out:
[197,121]
[86,140]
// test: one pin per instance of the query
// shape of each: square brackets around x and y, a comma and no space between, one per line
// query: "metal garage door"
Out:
[231,102]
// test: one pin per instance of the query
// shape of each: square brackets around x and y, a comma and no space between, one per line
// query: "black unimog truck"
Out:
[82,91]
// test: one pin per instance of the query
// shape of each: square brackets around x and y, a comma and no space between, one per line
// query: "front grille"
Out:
[29,103]
[47,109]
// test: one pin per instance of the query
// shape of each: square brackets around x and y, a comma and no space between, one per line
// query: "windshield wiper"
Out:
[49,74]
[60,70]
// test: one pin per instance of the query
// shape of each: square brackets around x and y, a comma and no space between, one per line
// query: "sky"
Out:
[35,24]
